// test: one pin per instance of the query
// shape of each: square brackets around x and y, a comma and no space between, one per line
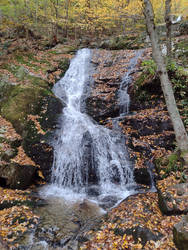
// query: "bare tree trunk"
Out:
[168,5]
[180,132]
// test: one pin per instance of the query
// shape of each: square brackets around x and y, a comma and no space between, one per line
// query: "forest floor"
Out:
[139,213]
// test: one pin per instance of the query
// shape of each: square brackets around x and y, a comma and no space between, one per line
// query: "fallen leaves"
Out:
[136,211]
[22,159]
[15,221]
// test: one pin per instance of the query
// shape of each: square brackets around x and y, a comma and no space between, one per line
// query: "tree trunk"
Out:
[168,27]
[179,129]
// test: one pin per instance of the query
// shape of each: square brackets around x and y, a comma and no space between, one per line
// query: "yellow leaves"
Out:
[40,174]
[15,221]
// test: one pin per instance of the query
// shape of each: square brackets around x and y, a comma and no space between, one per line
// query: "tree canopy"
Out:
[78,17]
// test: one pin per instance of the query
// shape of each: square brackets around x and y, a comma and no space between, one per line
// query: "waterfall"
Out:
[124,99]
[87,155]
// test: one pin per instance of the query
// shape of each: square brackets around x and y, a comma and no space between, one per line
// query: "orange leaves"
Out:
[137,211]
[22,159]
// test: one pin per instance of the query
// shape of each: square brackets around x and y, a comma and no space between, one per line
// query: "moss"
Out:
[63,66]
[166,165]
[11,68]
[22,100]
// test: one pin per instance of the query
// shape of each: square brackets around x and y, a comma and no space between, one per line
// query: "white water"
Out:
[78,135]
[124,99]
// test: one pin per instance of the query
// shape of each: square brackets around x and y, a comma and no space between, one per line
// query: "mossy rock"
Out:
[35,98]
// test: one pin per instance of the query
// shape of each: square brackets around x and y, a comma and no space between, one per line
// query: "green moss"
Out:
[63,66]
[169,164]
[11,68]
[21,100]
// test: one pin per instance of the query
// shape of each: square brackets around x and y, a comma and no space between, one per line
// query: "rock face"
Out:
[38,146]
[180,233]
[103,100]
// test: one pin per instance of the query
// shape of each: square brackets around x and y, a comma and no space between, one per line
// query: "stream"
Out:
[91,172]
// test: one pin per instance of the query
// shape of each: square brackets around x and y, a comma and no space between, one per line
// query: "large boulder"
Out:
[180,233]
[33,110]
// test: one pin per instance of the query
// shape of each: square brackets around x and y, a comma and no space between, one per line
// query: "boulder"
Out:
[17,176]
[180,233]
[174,199]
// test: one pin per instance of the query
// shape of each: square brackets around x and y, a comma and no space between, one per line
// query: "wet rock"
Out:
[93,191]
[174,199]
[180,233]
[142,176]
[38,146]
[89,171]
[17,176]
[108,202]
[100,109]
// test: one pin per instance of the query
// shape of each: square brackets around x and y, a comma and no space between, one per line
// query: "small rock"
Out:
[142,176]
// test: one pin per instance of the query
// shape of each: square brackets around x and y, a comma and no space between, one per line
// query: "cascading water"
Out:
[86,154]
[90,161]
[124,99]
